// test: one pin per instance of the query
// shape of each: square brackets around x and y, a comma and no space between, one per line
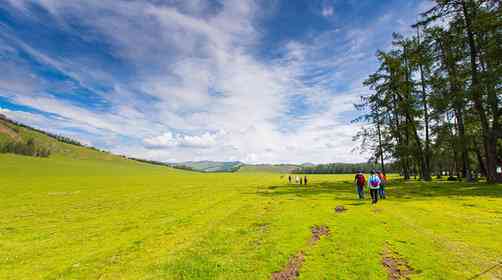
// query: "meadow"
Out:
[62,218]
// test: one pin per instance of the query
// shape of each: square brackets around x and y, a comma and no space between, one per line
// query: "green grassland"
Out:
[90,218]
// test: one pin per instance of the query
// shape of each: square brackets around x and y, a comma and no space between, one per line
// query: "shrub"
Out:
[28,149]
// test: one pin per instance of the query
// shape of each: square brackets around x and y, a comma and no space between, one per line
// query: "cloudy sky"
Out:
[175,80]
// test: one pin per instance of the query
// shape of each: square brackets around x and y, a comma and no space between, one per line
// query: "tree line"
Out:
[435,102]
[28,148]
[60,138]
[342,168]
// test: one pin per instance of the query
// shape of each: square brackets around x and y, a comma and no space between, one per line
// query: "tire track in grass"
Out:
[397,267]
[154,246]
[223,225]
[143,254]
[460,251]
[214,254]
[292,269]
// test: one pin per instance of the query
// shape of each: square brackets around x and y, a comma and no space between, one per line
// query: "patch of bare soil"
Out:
[292,269]
[8,131]
[340,208]
[262,226]
[377,210]
[397,267]
[317,232]
[493,272]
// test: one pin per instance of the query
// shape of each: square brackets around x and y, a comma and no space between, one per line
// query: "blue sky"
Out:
[251,80]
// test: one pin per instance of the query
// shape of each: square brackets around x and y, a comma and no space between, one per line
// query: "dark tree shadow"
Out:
[396,190]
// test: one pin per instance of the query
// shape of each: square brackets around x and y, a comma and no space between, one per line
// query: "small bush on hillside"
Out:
[60,138]
[28,149]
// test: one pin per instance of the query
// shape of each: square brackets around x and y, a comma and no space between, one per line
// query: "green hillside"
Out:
[209,166]
[12,132]
[268,168]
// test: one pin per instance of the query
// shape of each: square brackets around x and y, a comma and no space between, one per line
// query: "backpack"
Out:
[383,179]
[361,180]
[374,181]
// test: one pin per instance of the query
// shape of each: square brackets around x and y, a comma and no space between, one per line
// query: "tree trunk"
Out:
[466,171]
[489,138]
[457,95]
[424,171]
[403,157]
[406,154]
[380,142]
[482,168]
[427,152]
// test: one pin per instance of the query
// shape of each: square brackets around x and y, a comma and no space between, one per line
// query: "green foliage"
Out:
[341,168]
[14,138]
[436,101]
[28,149]
[17,125]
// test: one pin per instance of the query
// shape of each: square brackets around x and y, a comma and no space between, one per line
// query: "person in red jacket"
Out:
[360,181]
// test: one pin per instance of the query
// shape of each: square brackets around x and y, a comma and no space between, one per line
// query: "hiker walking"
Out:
[383,182]
[374,186]
[301,180]
[360,180]
[289,179]
[305,180]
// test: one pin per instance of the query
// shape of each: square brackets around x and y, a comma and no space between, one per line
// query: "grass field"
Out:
[117,219]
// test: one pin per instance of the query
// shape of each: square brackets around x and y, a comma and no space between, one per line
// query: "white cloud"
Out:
[165,140]
[170,140]
[328,10]
[198,91]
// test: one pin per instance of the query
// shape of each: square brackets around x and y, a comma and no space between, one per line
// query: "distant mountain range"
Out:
[237,166]
[304,168]
[271,168]
[209,166]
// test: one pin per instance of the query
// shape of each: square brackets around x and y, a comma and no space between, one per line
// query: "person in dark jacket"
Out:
[360,181]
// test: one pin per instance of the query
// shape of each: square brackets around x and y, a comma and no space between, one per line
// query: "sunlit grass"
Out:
[90,219]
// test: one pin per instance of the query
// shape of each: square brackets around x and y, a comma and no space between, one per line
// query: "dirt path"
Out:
[8,131]
[292,269]
[397,267]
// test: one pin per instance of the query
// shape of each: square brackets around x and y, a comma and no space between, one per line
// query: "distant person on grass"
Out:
[305,180]
[297,179]
[374,186]
[289,179]
[383,183]
[301,180]
[360,180]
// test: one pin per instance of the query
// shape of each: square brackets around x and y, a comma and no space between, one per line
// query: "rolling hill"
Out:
[235,166]
[209,166]
[13,133]
[268,168]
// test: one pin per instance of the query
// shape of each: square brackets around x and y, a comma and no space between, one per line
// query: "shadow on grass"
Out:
[396,190]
